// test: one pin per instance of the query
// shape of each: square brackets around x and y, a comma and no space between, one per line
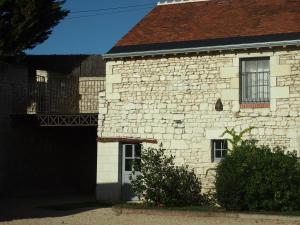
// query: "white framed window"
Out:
[219,150]
[131,154]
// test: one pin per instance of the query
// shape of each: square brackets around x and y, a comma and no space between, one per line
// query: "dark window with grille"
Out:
[255,80]
[219,150]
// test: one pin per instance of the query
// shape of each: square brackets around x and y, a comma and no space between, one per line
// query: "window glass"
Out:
[218,144]
[138,150]
[218,154]
[128,164]
[251,66]
[128,150]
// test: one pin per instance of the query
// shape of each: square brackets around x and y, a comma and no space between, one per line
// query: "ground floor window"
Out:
[219,150]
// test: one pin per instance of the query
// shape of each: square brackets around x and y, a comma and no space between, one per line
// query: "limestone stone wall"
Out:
[172,99]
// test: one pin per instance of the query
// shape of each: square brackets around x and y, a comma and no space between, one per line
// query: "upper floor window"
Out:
[255,80]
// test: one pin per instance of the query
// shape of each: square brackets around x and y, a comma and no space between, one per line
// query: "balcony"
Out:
[66,96]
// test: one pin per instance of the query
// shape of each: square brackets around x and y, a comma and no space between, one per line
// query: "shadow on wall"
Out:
[112,193]
[109,193]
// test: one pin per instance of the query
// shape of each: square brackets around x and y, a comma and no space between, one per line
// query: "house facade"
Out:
[191,69]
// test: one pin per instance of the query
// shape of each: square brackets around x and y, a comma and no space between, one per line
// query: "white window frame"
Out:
[214,149]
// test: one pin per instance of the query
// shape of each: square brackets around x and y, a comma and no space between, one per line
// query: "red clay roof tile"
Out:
[215,19]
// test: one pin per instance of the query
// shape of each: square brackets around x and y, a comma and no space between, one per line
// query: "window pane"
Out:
[243,66]
[138,150]
[128,150]
[218,153]
[128,164]
[218,144]
[224,153]
[251,66]
[263,65]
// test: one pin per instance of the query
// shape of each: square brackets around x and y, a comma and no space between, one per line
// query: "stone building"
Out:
[190,69]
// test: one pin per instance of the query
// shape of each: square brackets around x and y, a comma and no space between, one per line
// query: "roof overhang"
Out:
[202,49]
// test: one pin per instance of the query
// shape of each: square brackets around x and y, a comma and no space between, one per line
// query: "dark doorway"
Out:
[54,161]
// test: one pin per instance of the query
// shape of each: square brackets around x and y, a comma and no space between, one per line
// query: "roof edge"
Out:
[172,2]
[202,49]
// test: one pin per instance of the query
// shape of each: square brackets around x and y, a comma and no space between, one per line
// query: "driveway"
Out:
[27,212]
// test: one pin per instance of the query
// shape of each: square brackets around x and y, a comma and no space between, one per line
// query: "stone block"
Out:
[178,116]
[114,79]
[235,106]
[280,92]
[228,72]
[280,70]
[113,96]
[292,133]
[273,81]
[235,83]
[109,68]
[230,94]
[109,87]
[204,106]
[214,133]
[273,105]
[178,145]
[103,111]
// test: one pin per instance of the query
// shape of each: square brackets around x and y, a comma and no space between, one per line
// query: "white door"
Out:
[130,153]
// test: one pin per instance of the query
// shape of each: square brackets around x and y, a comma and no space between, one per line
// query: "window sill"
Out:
[254,105]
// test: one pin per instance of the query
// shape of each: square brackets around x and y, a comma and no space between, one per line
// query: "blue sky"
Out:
[93,34]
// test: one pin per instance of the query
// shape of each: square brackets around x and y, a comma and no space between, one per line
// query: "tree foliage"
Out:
[27,23]
[236,137]
[161,183]
[258,178]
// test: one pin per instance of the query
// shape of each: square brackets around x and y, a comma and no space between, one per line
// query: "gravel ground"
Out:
[18,213]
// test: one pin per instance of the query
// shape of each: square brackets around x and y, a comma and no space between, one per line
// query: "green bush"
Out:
[161,183]
[258,178]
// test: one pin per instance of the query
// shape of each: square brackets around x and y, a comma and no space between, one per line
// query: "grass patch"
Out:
[74,206]
[213,209]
